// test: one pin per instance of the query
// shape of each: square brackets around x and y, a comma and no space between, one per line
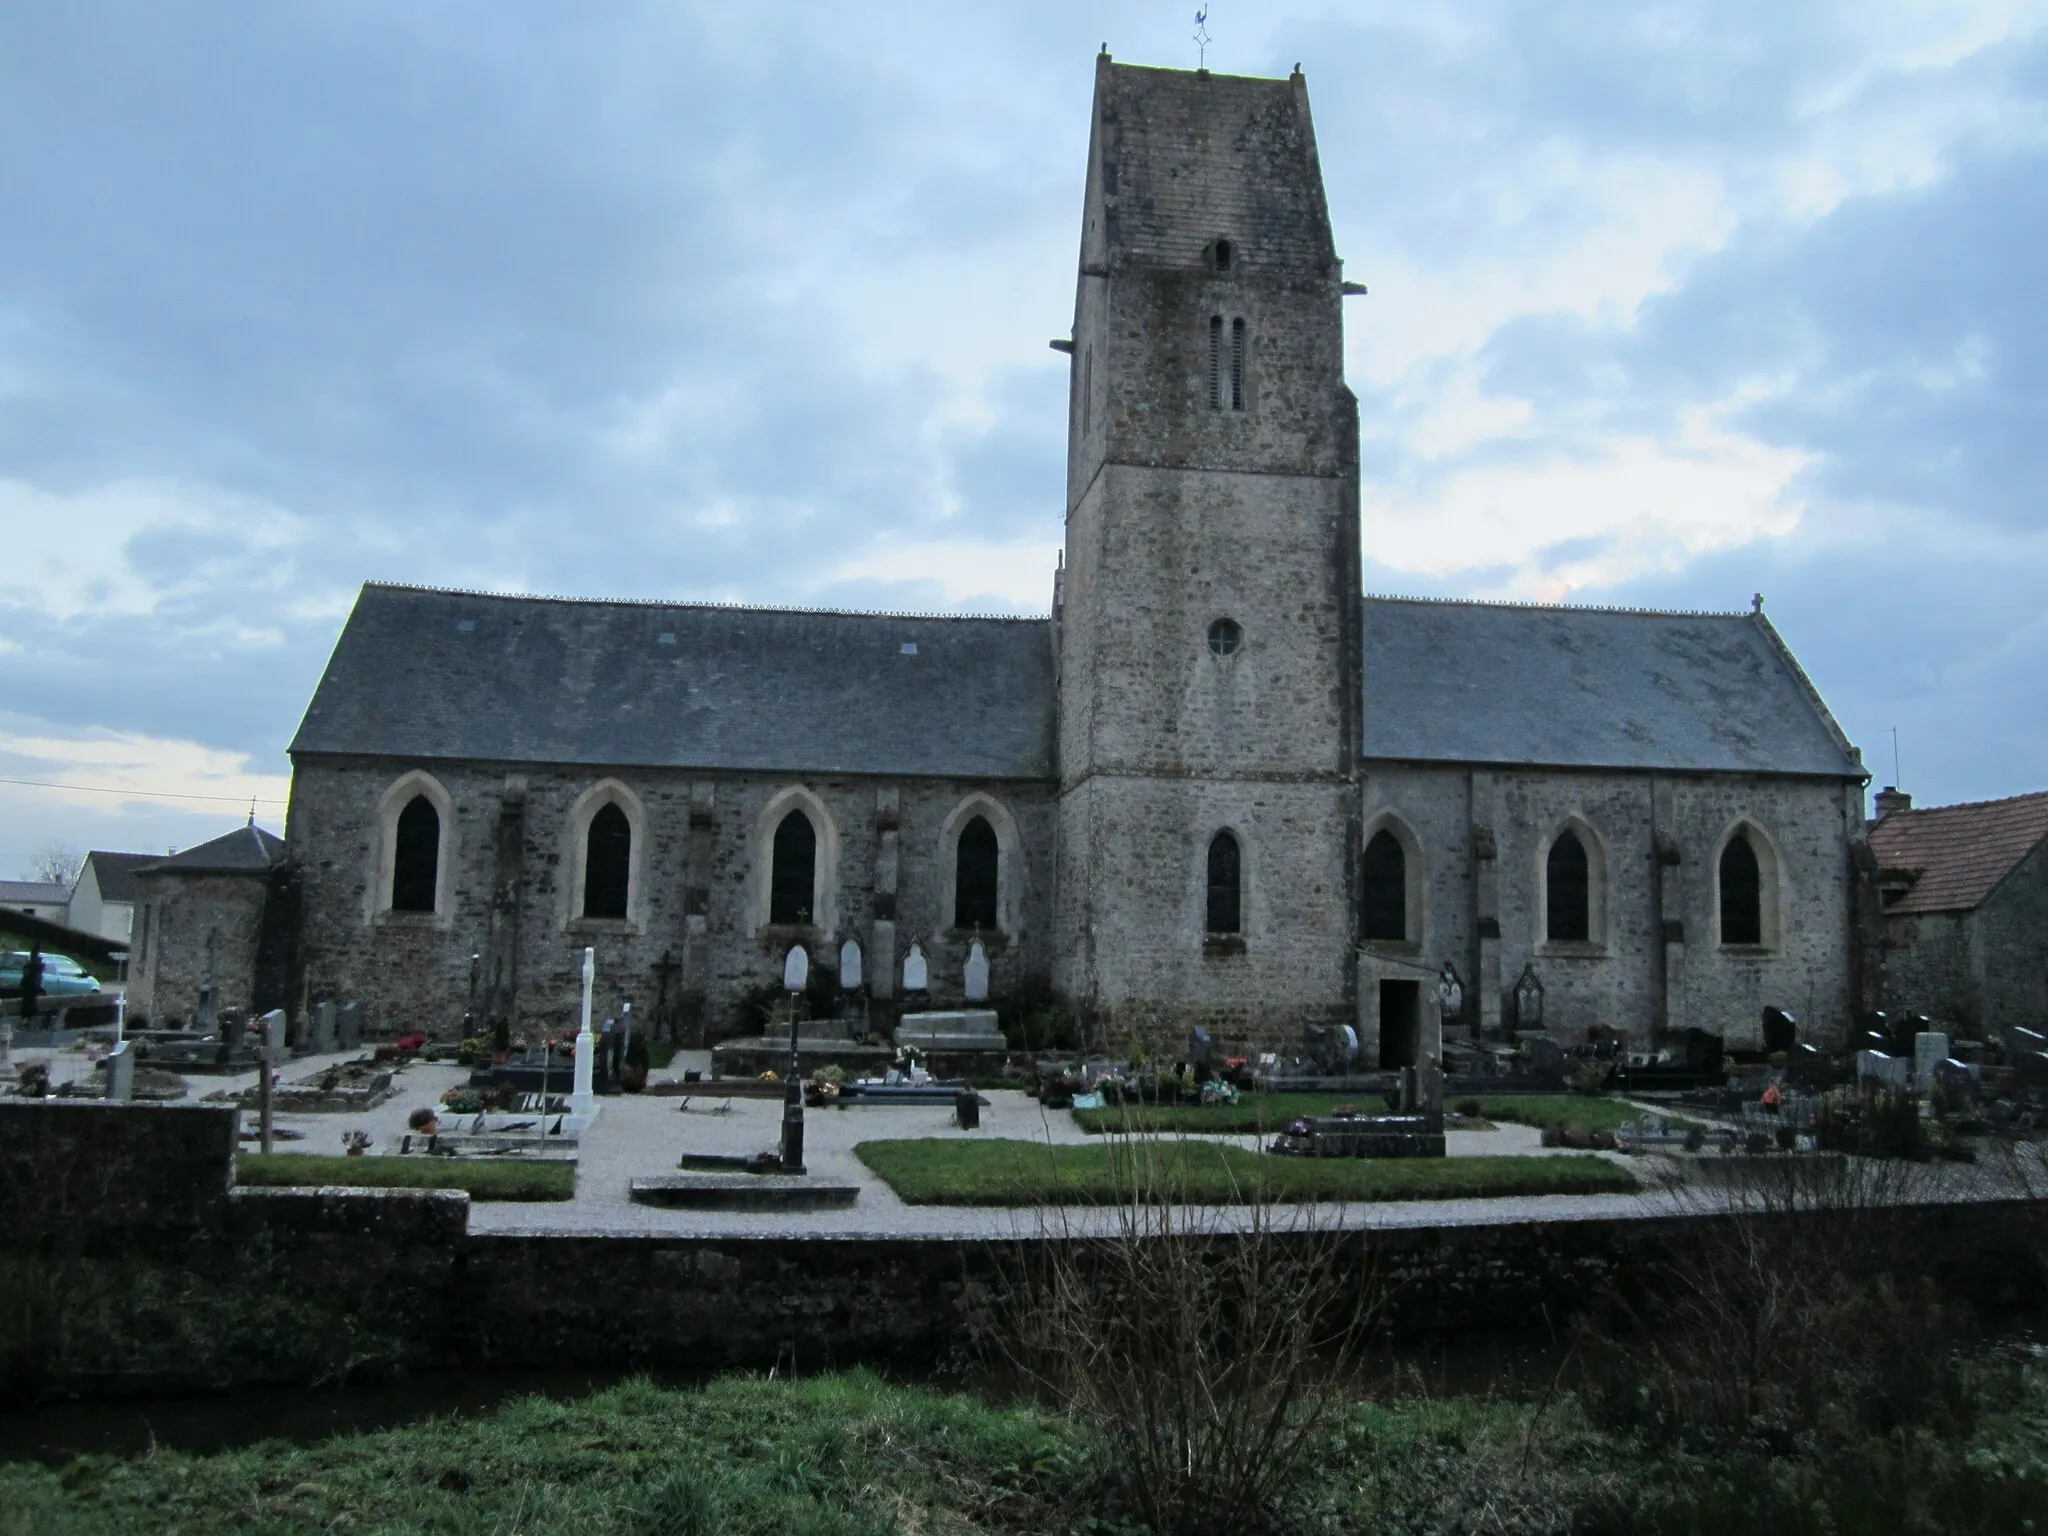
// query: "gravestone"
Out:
[916,974]
[272,1025]
[1806,1067]
[1886,1071]
[1781,1031]
[323,1028]
[849,966]
[349,1027]
[1930,1049]
[1958,1083]
[121,1072]
[977,973]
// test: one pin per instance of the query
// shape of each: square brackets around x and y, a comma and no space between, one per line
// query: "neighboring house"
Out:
[103,897]
[209,912]
[1217,784]
[46,899]
[1964,890]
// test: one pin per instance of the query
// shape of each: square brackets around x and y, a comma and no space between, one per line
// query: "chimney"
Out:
[1890,799]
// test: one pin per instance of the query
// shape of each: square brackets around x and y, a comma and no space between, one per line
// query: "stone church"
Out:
[1218,784]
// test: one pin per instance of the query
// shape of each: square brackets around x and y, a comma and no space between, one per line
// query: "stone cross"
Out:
[849,965]
[583,1097]
[916,975]
[977,973]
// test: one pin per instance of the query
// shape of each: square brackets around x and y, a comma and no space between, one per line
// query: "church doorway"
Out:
[1400,1022]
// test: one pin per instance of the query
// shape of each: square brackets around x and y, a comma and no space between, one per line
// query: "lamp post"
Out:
[796,971]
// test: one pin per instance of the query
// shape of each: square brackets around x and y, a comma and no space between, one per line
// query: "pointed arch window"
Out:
[1742,893]
[607,863]
[975,870]
[1568,891]
[793,875]
[416,857]
[1383,898]
[1226,885]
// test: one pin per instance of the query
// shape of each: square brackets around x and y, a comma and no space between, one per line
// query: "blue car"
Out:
[62,975]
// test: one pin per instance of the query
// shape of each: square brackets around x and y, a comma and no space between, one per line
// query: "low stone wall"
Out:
[166,1280]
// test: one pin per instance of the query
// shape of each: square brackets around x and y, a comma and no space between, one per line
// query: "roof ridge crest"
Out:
[1502,602]
[709,604]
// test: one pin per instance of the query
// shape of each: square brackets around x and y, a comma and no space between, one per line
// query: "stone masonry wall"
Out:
[699,891]
[1928,968]
[1654,960]
[181,910]
[2010,957]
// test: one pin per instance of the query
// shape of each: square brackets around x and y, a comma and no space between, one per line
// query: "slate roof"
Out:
[1591,688]
[115,872]
[33,893]
[1186,157]
[244,851]
[1959,852]
[429,674]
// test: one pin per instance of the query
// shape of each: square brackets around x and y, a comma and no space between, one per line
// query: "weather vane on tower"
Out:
[1202,38]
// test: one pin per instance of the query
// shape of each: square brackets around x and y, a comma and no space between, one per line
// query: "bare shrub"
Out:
[1790,1306]
[1209,1347]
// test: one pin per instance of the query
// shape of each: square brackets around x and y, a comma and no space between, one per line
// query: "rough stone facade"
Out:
[1654,963]
[180,914]
[701,860]
[1211,480]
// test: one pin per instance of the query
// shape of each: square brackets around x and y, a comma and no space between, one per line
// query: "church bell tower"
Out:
[1209,628]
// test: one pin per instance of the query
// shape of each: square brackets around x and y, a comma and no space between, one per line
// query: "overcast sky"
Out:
[1669,304]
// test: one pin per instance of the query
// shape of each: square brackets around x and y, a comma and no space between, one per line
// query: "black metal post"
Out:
[793,1104]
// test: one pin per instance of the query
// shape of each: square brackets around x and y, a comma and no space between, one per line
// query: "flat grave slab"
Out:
[742,1192]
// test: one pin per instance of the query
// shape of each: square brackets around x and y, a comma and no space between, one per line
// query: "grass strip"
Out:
[1009,1173]
[1267,1112]
[841,1455]
[483,1180]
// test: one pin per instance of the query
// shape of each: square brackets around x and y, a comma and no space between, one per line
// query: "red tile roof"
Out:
[1959,852]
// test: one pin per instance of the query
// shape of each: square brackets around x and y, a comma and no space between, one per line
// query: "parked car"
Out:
[62,975]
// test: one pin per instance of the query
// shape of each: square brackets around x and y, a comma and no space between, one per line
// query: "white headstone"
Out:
[273,1032]
[849,964]
[323,1028]
[796,968]
[121,1072]
[977,973]
[916,976]
[1930,1050]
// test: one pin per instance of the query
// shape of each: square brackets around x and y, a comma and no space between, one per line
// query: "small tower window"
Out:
[1384,897]
[416,857]
[1237,365]
[607,863]
[1225,885]
[1225,637]
[974,876]
[795,870]
[1215,362]
[1568,891]
[1223,254]
[1742,893]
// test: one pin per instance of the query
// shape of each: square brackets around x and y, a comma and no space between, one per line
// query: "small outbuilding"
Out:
[1964,890]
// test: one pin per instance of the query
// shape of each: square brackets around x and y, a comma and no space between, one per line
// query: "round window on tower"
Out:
[1225,637]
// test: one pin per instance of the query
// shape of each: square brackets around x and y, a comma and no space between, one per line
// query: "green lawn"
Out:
[484,1180]
[1265,1112]
[1032,1173]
